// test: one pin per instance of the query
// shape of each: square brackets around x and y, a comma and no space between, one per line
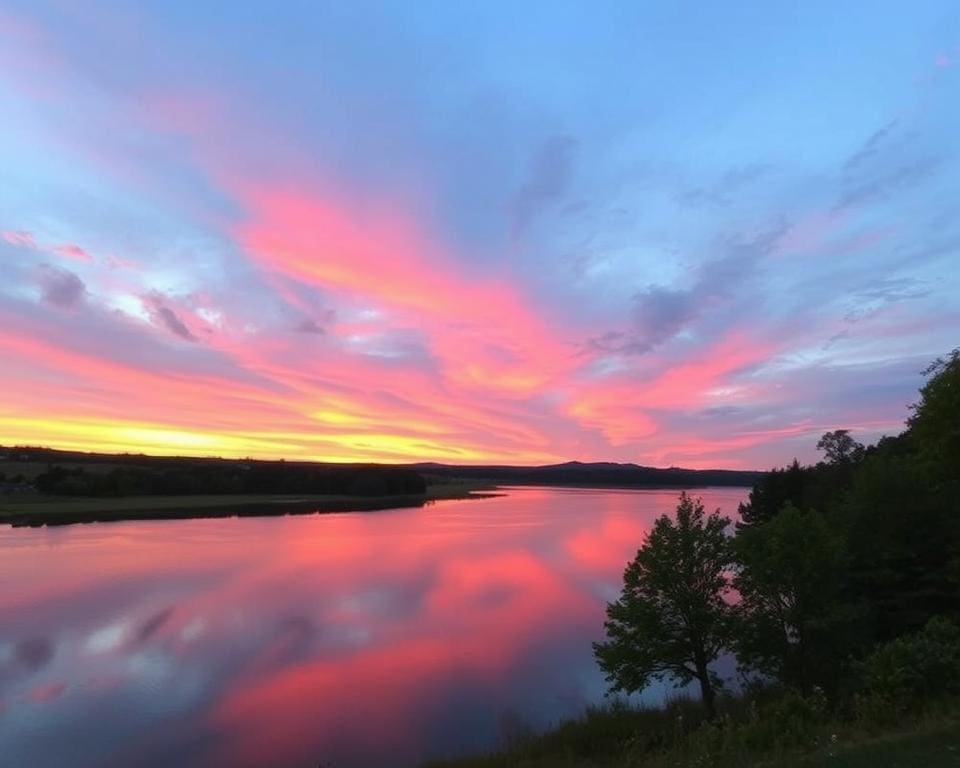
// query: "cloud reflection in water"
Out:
[354,639]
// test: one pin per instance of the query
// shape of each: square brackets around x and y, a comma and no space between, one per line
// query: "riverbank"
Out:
[37,510]
[787,737]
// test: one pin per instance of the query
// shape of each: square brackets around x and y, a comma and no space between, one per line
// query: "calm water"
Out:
[366,639]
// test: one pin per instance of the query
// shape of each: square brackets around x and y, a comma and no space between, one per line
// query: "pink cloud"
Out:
[71,251]
[43,694]
[333,406]
[624,408]
[482,330]
[19,238]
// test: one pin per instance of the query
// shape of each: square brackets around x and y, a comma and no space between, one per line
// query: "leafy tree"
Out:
[793,623]
[671,620]
[839,447]
[806,487]
[935,423]
[772,492]
[903,536]
[902,508]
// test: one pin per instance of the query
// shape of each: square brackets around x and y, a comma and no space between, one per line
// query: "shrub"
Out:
[910,672]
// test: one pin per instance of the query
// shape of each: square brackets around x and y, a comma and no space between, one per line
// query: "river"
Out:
[348,640]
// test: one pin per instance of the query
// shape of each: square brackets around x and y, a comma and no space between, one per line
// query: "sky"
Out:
[688,234]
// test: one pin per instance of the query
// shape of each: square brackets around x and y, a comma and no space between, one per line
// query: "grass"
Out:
[675,737]
[598,738]
[932,746]
[53,510]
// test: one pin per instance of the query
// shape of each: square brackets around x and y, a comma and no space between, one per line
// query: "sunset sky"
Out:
[694,234]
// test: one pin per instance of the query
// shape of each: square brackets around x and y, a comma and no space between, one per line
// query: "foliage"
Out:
[910,671]
[788,723]
[935,422]
[806,487]
[671,620]
[188,478]
[777,488]
[894,508]
[902,536]
[792,623]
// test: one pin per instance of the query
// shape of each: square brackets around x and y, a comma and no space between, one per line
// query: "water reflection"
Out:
[357,639]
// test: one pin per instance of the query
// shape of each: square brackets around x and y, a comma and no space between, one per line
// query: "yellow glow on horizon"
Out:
[115,436]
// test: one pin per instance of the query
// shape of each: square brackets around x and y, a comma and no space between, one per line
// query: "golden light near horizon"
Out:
[207,255]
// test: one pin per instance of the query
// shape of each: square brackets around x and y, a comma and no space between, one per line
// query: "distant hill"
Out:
[601,473]
[572,473]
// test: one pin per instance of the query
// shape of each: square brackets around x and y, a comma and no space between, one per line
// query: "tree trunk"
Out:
[706,690]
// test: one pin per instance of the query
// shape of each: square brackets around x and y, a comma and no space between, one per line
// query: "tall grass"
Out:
[761,728]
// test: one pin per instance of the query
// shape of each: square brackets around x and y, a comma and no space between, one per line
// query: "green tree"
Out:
[793,622]
[671,620]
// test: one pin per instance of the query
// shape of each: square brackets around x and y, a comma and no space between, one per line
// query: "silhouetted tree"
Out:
[839,447]
[903,540]
[935,423]
[671,620]
[774,490]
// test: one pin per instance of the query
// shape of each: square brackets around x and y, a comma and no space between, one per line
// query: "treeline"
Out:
[841,580]
[597,474]
[572,473]
[225,477]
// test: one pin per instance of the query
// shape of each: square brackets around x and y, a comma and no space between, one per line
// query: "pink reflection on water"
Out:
[355,639]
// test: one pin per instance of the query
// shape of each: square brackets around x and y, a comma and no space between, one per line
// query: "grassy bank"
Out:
[52,510]
[786,734]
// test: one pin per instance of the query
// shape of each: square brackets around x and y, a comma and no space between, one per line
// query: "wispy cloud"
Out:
[660,313]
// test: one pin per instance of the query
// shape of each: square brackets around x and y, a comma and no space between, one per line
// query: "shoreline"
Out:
[65,510]
[39,510]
